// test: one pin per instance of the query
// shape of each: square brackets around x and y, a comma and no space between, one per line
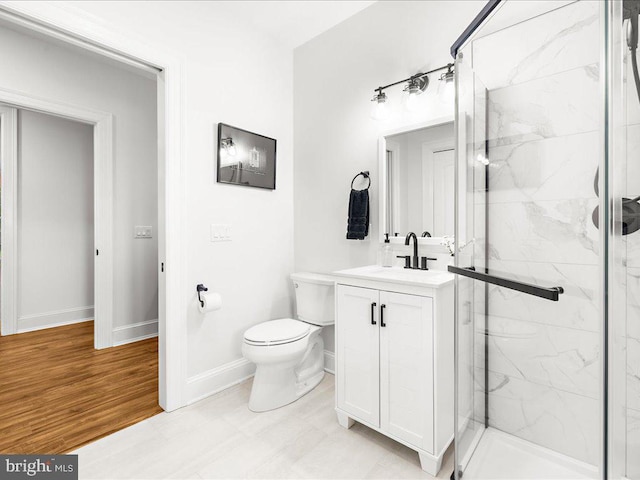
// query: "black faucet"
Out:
[426,234]
[415,248]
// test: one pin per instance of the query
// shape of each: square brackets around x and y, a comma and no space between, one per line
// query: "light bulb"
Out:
[411,93]
[447,89]
[447,92]
[411,102]
[228,147]
[379,109]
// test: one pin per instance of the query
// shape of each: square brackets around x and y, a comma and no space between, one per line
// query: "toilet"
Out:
[289,352]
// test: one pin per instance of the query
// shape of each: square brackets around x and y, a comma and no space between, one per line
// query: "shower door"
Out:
[623,241]
[529,264]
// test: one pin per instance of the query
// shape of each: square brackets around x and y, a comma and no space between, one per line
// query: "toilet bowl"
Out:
[288,352]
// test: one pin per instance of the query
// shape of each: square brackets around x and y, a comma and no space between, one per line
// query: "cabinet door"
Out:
[406,368]
[357,356]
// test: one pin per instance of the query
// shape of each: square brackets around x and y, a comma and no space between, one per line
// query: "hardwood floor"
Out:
[58,393]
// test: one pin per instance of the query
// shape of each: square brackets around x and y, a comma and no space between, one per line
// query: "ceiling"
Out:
[293,22]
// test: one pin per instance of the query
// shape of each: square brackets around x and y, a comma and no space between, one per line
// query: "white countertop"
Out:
[404,276]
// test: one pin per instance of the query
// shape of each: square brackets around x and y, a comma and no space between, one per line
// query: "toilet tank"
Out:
[314,298]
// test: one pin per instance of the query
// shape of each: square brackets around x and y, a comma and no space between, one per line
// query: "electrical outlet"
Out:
[220,232]
[140,231]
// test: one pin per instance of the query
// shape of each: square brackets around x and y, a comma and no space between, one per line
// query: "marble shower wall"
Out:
[543,122]
[633,285]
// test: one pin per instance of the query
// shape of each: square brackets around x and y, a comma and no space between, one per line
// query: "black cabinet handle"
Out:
[382,307]
[373,307]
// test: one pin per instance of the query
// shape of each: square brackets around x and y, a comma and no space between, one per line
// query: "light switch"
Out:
[220,232]
[141,231]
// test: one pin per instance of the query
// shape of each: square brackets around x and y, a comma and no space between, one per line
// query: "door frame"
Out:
[64,21]
[9,235]
[102,123]
[393,147]
[428,152]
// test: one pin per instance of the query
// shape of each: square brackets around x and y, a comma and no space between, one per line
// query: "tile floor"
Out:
[219,437]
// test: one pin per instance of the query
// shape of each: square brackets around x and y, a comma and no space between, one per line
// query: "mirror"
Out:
[417,190]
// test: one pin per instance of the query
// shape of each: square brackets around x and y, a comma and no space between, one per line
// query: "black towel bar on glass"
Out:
[365,174]
[551,293]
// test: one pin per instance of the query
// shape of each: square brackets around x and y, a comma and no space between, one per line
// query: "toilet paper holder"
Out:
[201,288]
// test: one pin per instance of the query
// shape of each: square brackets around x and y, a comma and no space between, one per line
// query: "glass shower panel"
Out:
[471,240]
[624,245]
[530,127]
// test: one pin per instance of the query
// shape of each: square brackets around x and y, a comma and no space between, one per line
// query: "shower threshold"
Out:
[500,455]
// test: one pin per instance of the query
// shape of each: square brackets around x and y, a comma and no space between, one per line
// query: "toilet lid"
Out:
[283,330]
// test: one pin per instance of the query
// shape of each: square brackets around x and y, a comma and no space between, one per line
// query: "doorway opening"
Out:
[50,236]
[80,241]
[166,71]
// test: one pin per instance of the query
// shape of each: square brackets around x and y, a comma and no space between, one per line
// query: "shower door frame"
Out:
[609,209]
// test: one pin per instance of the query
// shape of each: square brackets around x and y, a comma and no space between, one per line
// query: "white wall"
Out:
[54,72]
[236,75]
[334,78]
[55,220]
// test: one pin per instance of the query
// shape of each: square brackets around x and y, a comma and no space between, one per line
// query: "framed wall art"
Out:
[246,158]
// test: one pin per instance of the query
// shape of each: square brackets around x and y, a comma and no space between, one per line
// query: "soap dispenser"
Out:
[387,252]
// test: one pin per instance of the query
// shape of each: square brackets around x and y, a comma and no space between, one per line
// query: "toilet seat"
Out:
[277,332]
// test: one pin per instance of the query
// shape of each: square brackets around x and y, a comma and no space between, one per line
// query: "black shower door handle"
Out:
[550,293]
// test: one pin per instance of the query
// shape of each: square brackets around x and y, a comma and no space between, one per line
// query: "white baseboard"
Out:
[57,318]
[218,379]
[330,362]
[135,332]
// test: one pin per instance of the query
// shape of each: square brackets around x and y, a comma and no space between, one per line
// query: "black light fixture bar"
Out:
[473,26]
[551,293]
[413,77]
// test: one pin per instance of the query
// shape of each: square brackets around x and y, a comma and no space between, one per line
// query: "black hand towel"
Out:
[358,221]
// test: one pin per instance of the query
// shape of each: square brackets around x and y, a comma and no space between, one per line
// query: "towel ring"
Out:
[365,174]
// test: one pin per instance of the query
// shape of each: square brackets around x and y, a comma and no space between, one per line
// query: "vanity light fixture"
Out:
[379,109]
[446,89]
[415,85]
[228,147]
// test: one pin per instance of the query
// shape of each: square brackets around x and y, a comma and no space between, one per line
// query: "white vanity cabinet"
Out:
[394,359]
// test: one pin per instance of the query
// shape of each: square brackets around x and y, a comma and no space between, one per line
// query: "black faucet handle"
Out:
[423,262]
[407,260]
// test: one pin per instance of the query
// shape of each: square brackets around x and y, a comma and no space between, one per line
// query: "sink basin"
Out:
[406,276]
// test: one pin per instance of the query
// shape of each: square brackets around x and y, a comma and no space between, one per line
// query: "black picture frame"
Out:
[245,158]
